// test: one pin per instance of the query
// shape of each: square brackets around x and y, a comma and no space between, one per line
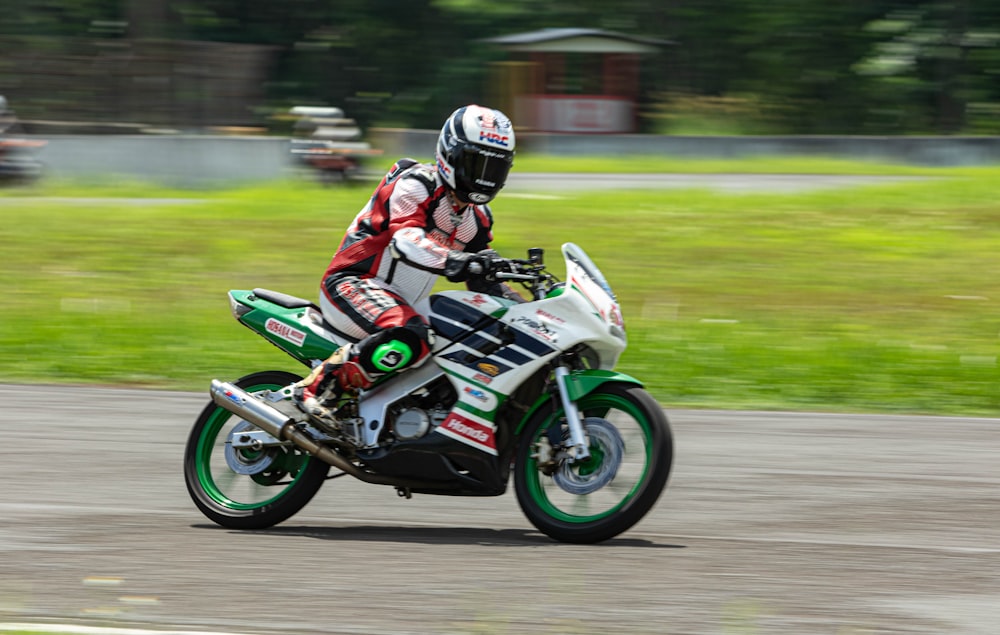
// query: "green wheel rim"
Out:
[609,500]
[208,455]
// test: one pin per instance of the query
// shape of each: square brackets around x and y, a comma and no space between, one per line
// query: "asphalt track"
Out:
[772,524]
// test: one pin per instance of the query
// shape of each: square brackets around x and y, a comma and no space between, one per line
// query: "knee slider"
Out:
[393,349]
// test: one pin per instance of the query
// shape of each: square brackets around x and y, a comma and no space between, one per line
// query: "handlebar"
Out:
[520,277]
[530,272]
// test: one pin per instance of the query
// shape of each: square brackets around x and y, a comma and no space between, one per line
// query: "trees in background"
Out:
[778,66]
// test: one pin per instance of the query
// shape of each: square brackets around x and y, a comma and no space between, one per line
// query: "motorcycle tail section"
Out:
[294,325]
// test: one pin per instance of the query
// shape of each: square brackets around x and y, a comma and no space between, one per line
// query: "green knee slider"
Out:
[390,356]
[392,349]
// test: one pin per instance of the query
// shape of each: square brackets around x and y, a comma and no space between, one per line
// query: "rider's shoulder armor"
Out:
[423,172]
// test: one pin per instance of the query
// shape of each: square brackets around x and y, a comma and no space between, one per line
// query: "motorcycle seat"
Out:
[282,299]
[293,302]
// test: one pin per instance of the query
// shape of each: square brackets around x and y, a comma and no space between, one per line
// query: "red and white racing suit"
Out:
[390,259]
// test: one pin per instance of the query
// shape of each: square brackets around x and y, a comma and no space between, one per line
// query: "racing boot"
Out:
[357,366]
[328,382]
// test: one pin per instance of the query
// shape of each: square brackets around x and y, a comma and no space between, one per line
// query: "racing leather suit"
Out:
[408,234]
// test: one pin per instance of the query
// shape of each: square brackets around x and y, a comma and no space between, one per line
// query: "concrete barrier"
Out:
[181,160]
[205,160]
[929,151]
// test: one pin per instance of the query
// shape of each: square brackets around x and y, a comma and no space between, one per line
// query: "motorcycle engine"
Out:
[419,412]
[413,423]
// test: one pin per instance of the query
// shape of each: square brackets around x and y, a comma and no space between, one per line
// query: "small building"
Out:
[571,80]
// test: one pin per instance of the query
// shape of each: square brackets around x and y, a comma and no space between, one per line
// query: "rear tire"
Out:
[287,479]
[593,500]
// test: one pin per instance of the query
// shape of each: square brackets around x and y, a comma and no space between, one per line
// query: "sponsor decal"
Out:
[615,317]
[233,397]
[476,300]
[551,318]
[482,379]
[443,168]
[536,327]
[285,332]
[493,155]
[494,138]
[347,290]
[475,392]
[476,397]
[470,431]
[438,236]
[490,369]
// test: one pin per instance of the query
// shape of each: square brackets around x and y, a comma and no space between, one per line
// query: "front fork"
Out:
[578,449]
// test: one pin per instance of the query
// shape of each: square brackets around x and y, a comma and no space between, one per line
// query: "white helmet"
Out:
[474,152]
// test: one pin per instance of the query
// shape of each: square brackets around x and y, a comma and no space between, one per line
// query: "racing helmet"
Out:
[474,153]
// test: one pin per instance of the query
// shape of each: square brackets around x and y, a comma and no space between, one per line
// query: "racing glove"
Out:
[461,265]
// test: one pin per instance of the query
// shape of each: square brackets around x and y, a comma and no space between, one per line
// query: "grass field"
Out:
[877,299]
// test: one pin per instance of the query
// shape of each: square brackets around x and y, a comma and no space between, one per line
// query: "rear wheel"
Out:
[245,488]
[631,451]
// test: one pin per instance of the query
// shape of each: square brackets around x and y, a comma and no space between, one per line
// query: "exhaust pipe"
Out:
[282,427]
[238,402]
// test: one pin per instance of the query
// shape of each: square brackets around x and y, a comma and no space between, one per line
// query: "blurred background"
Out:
[670,67]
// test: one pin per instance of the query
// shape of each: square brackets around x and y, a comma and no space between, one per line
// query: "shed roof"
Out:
[572,40]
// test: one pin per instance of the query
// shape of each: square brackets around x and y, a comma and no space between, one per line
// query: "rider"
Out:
[422,221]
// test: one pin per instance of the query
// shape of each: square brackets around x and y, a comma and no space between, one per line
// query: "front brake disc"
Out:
[591,474]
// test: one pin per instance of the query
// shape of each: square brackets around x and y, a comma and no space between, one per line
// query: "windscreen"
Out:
[587,269]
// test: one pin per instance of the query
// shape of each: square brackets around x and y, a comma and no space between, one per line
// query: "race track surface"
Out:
[772,524]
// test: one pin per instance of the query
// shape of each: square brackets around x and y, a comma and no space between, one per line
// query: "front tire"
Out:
[594,500]
[267,487]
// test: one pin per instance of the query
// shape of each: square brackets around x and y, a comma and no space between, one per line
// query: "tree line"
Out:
[774,66]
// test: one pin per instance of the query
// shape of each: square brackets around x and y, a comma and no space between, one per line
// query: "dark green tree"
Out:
[860,66]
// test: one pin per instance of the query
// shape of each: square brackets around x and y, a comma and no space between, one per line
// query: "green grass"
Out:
[877,299]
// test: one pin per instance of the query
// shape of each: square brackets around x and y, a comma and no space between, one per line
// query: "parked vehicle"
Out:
[19,160]
[18,157]
[523,388]
[328,144]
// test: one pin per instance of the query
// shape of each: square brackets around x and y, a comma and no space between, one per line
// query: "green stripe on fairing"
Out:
[597,311]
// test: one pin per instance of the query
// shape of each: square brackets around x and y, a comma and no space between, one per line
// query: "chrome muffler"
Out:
[282,427]
[239,402]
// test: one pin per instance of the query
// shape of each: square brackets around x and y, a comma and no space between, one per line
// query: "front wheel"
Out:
[631,451]
[245,488]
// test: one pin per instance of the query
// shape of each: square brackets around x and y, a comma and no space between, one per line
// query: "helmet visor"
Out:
[483,169]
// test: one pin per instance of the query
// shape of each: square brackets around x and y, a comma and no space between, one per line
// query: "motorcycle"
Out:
[527,388]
